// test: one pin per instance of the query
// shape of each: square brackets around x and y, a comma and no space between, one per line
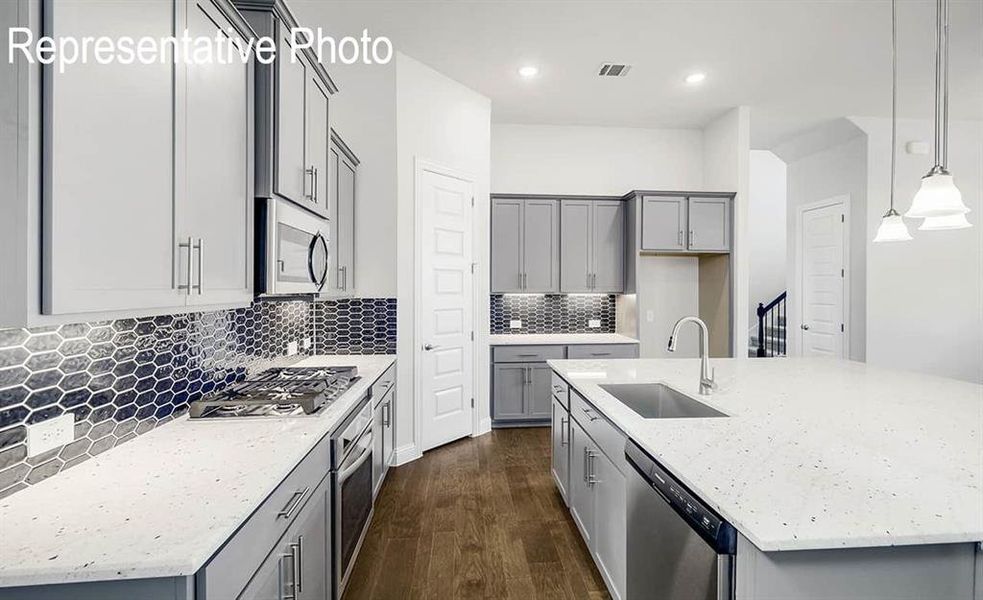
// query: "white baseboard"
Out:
[406,454]
[484,426]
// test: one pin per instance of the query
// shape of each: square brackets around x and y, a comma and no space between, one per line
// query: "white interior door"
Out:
[444,307]
[822,268]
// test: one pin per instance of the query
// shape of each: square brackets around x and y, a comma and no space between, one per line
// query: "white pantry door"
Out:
[822,272]
[445,307]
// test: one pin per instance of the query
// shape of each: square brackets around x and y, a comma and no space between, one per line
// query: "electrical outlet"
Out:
[515,324]
[650,315]
[51,433]
[291,348]
[307,343]
[593,323]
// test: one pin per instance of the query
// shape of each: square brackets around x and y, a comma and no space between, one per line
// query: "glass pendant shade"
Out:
[892,228]
[938,197]
[956,221]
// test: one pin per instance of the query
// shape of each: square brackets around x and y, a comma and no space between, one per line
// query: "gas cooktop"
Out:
[280,392]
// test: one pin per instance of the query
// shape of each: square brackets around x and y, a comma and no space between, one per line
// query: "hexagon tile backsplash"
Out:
[552,313]
[125,377]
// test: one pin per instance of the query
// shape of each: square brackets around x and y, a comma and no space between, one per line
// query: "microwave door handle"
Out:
[316,279]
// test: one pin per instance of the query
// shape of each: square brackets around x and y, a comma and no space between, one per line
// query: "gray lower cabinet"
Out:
[127,157]
[686,223]
[592,246]
[383,440]
[343,167]
[581,496]
[560,436]
[525,245]
[522,392]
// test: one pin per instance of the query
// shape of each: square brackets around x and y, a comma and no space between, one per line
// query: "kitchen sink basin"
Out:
[659,401]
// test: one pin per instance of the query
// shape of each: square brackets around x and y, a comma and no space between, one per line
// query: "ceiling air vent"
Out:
[613,70]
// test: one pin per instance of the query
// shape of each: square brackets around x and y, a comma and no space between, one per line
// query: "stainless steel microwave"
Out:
[292,249]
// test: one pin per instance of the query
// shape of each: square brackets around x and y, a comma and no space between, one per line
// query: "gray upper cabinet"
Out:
[709,224]
[506,245]
[292,115]
[663,223]
[525,245]
[686,223]
[343,166]
[592,246]
[216,213]
[127,158]
[576,266]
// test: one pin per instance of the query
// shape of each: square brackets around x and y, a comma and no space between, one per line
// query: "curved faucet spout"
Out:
[707,384]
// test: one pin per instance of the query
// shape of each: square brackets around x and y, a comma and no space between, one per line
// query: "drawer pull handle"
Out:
[589,413]
[527,355]
[600,354]
[293,503]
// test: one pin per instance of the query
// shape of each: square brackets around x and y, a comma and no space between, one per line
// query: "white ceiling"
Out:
[797,63]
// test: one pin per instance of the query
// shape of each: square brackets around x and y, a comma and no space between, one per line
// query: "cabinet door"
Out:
[271,579]
[107,167]
[540,246]
[509,396]
[581,493]
[610,516]
[506,246]
[663,223]
[216,209]
[575,242]
[389,438]
[608,246]
[378,434]
[709,224]
[333,286]
[317,141]
[539,392]
[309,546]
[291,164]
[346,225]
[561,448]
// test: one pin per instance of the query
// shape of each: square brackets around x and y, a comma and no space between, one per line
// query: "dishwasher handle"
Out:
[702,519]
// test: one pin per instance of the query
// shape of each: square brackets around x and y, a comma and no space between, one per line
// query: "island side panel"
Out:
[163,588]
[940,572]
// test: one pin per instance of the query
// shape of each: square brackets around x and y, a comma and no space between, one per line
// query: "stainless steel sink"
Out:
[659,401]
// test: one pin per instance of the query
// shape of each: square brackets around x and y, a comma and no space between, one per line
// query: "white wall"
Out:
[611,161]
[835,171]
[443,122]
[766,230]
[925,297]
[726,166]
[667,290]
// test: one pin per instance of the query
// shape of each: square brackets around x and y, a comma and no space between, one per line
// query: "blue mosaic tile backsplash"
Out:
[125,377]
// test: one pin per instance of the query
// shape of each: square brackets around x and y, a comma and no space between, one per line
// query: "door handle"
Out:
[804,327]
[429,347]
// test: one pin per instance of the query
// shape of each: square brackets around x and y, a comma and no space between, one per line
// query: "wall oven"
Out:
[351,478]
[292,249]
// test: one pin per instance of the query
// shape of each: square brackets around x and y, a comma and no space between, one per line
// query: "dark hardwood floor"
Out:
[478,518]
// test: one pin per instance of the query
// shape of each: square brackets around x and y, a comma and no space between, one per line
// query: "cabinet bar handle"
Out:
[190,264]
[679,238]
[293,584]
[310,171]
[585,465]
[588,281]
[293,503]
[385,415]
[299,568]
[201,263]
[692,238]
[315,184]
[591,480]
[563,430]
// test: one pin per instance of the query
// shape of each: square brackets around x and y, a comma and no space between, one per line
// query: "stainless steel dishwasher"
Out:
[678,548]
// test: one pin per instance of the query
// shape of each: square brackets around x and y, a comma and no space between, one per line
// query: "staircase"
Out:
[771,337]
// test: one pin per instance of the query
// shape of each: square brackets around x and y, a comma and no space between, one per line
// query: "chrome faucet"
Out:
[707,384]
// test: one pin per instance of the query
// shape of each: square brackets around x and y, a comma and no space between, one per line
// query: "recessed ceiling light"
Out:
[528,71]
[694,78]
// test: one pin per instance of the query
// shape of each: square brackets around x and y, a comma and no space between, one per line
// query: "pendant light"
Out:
[957,221]
[938,195]
[893,228]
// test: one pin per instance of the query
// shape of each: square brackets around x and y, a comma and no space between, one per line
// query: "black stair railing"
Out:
[771,339]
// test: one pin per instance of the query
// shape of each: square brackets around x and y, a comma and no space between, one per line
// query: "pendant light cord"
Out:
[894,96]
[945,85]
[938,84]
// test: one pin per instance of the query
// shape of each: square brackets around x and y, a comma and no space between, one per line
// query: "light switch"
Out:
[307,343]
[515,324]
[291,348]
[593,323]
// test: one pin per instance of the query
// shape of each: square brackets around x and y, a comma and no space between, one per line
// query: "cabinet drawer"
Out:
[228,572]
[607,437]
[382,385]
[527,353]
[561,391]
[603,351]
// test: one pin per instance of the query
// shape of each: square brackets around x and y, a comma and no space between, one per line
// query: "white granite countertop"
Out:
[559,339]
[162,504]
[816,453]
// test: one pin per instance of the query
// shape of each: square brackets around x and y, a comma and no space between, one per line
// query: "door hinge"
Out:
[472,403]
[472,336]
[842,218]
[842,273]
[472,268]
[841,328]
[472,200]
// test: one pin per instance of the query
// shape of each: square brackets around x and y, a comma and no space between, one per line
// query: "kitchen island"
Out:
[815,455]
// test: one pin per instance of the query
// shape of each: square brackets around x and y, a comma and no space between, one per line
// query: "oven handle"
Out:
[345,473]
